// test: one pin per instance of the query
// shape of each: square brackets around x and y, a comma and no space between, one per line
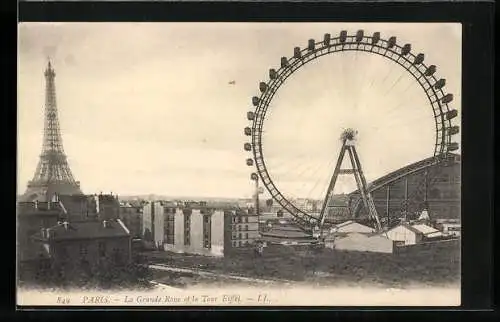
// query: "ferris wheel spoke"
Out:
[312,175]
[323,179]
[394,84]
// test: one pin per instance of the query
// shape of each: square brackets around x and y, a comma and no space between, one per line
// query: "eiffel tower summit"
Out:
[52,175]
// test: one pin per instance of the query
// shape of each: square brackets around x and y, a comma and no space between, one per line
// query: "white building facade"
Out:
[195,231]
[404,235]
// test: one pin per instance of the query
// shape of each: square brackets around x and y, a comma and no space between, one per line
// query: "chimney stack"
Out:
[105,223]
[36,204]
[66,225]
[43,232]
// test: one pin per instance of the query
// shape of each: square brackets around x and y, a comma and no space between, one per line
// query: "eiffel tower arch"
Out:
[53,174]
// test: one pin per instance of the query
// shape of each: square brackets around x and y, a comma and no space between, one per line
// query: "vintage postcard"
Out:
[247,164]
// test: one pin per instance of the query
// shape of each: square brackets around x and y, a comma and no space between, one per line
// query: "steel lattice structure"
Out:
[53,174]
[401,55]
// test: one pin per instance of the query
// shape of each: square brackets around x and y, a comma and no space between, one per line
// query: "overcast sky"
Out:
[148,108]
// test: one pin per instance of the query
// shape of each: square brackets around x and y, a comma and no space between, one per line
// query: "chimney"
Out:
[105,223]
[43,232]
[36,204]
[66,225]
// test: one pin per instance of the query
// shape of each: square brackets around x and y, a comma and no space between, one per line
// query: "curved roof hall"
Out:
[404,171]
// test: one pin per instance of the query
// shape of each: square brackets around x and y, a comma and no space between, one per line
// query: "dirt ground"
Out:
[325,267]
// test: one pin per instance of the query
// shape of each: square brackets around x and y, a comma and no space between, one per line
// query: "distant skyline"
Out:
[159,108]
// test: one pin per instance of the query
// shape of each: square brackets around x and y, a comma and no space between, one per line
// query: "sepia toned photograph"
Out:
[246,164]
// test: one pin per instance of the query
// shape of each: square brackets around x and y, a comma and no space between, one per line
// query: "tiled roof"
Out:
[86,230]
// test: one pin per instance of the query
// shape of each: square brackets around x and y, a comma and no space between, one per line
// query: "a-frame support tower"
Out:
[348,146]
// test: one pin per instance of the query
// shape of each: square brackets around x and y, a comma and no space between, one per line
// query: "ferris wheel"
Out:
[409,64]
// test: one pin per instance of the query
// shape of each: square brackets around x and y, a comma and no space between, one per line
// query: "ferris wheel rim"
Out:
[401,55]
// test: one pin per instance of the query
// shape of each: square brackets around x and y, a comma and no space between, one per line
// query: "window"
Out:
[207,243]
[102,249]
[246,235]
[246,227]
[239,219]
[246,219]
[187,229]
[170,231]
[83,249]
[239,236]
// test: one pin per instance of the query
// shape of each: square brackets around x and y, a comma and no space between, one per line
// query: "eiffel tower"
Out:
[348,145]
[52,175]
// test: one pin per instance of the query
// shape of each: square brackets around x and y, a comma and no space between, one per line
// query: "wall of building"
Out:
[362,243]
[196,232]
[217,236]
[147,222]
[70,255]
[132,218]
[241,231]
[80,207]
[437,249]
[245,229]
[403,234]
[158,224]
[450,229]
[30,221]
[108,205]
[179,232]
[202,229]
